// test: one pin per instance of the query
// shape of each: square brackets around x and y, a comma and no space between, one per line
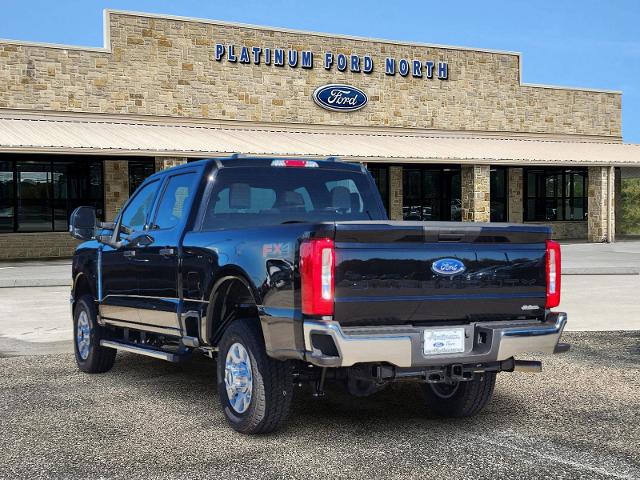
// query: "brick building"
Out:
[448,133]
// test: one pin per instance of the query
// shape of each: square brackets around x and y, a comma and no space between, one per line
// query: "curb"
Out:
[45,282]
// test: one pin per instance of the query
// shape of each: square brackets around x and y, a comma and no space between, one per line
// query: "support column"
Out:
[395,193]
[162,163]
[515,182]
[475,193]
[116,187]
[601,192]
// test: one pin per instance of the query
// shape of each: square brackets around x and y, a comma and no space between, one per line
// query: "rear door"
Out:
[158,263]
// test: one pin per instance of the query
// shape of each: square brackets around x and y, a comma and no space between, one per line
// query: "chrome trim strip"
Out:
[142,327]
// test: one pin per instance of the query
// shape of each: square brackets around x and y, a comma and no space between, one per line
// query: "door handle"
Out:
[167,252]
[129,253]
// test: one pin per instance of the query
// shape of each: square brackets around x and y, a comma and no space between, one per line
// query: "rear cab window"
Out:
[249,197]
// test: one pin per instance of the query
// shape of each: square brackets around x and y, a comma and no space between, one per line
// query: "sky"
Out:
[584,43]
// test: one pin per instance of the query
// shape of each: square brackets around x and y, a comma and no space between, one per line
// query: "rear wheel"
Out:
[460,399]
[90,356]
[255,390]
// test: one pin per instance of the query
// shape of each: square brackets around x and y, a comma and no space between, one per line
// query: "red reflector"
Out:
[317,257]
[553,274]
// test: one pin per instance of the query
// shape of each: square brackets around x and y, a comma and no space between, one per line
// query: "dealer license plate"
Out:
[443,340]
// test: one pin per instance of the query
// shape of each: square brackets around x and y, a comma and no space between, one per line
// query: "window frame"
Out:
[562,198]
[116,230]
[160,195]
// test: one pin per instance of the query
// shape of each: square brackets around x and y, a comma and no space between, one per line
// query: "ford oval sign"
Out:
[448,266]
[340,98]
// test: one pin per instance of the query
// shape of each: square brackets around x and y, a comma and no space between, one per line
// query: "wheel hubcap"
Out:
[238,378]
[83,336]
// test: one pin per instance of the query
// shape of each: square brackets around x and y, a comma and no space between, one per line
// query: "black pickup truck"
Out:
[288,271]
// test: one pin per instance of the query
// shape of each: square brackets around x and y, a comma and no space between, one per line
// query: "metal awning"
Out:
[91,135]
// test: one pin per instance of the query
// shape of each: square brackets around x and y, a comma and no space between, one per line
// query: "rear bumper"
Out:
[402,346]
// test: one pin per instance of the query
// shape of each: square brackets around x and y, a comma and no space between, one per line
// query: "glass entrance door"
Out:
[431,193]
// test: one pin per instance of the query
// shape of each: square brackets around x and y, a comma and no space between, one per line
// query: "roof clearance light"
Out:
[294,163]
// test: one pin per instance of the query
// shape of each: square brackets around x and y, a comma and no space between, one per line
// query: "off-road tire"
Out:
[468,398]
[272,381]
[100,359]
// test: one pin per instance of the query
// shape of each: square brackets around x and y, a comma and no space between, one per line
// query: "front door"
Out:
[120,290]
[159,262]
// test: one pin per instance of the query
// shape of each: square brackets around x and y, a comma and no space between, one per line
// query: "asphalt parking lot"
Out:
[580,418]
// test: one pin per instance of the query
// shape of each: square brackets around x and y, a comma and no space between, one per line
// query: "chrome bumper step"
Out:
[149,352]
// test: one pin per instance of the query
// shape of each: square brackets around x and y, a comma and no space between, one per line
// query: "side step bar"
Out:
[149,352]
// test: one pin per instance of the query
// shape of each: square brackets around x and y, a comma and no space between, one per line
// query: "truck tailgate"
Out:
[387,273]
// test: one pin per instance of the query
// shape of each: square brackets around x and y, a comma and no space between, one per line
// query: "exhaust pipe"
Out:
[529,366]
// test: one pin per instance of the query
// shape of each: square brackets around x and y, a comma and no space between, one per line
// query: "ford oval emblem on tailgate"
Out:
[448,266]
[340,98]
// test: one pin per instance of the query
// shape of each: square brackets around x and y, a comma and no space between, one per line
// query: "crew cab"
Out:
[288,271]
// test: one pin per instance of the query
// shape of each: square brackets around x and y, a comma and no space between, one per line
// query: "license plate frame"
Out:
[443,341]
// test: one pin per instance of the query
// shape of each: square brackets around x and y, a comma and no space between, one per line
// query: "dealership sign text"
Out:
[281,57]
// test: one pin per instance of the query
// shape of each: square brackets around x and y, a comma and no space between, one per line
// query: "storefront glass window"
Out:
[39,192]
[498,189]
[555,194]
[139,170]
[380,175]
[431,193]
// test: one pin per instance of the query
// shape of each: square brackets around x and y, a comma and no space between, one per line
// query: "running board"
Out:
[149,352]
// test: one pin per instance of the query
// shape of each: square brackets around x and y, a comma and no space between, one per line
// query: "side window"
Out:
[172,206]
[135,215]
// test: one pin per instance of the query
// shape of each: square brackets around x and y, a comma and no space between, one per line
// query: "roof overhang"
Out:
[109,135]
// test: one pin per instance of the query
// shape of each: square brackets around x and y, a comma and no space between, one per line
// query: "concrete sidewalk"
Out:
[36,273]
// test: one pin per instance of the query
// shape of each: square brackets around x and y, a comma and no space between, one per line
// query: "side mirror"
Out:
[82,223]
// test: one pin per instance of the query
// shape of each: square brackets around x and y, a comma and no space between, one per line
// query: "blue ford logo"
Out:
[448,266]
[340,98]
[438,344]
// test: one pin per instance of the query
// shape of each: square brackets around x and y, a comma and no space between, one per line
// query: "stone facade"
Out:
[167,67]
[516,192]
[116,187]
[36,245]
[162,66]
[163,163]
[395,193]
[599,212]
[475,193]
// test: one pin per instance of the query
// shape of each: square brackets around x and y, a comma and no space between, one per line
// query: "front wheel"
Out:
[90,356]
[255,390]
[460,399]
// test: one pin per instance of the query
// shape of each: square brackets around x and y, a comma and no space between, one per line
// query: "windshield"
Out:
[246,197]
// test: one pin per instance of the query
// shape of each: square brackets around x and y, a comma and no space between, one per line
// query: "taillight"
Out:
[553,274]
[317,258]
